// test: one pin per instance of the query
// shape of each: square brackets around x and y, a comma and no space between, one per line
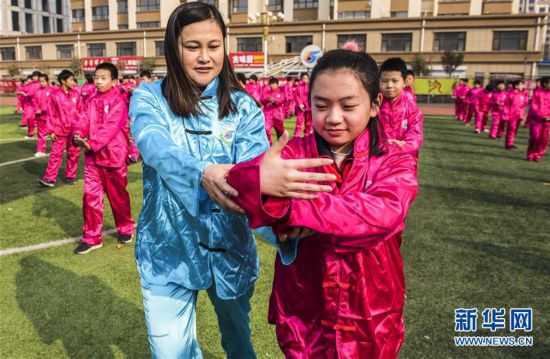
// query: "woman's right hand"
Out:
[282,178]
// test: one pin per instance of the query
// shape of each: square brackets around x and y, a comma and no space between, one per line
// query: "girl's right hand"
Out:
[283,178]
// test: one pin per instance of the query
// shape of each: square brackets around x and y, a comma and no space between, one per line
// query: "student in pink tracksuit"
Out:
[400,118]
[42,107]
[65,107]
[29,91]
[408,90]
[499,111]
[288,106]
[101,133]
[461,105]
[253,88]
[303,108]
[18,89]
[539,128]
[517,102]
[272,100]
[472,98]
[88,91]
[484,106]
[340,291]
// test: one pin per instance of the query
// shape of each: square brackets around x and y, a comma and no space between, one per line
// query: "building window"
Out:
[305,4]
[509,40]
[146,24]
[396,42]
[449,41]
[297,43]
[148,5]
[34,52]
[159,48]
[275,5]
[399,14]
[45,24]
[15,2]
[28,4]
[78,15]
[96,50]
[59,7]
[7,53]
[354,15]
[45,5]
[65,52]
[123,26]
[211,2]
[239,6]
[15,20]
[252,44]
[59,23]
[100,13]
[122,5]
[126,48]
[360,39]
[28,23]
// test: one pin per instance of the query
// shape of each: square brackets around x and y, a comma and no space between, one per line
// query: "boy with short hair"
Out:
[400,118]
[65,107]
[101,133]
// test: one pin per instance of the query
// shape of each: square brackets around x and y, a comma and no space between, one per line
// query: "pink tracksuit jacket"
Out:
[402,120]
[461,105]
[343,295]
[273,112]
[409,93]
[87,91]
[254,90]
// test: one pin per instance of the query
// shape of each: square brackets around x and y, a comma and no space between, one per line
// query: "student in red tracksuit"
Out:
[517,102]
[539,128]
[88,91]
[303,109]
[253,88]
[42,107]
[499,112]
[472,98]
[18,88]
[461,105]
[408,90]
[65,107]
[288,106]
[273,99]
[101,133]
[400,118]
[29,91]
[484,107]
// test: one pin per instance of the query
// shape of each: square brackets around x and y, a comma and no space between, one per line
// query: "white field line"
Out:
[36,247]
[23,160]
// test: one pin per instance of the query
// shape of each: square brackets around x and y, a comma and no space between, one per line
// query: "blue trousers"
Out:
[170,315]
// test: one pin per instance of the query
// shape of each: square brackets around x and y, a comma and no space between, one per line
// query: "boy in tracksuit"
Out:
[29,91]
[473,101]
[42,104]
[288,106]
[400,118]
[484,106]
[272,100]
[499,111]
[65,107]
[303,108]
[539,127]
[101,133]
[517,102]
[461,105]
[253,88]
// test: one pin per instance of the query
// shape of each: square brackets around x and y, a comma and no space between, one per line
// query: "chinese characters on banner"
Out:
[245,60]
[125,63]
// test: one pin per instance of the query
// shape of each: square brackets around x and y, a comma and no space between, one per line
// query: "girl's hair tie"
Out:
[351,46]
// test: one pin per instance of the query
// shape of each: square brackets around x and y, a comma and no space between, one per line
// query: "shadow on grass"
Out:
[487,198]
[517,255]
[80,311]
[490,173]
[67,215]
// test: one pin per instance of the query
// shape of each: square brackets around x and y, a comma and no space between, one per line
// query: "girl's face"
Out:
[520,86]
[341,108]
[274,86]
[202,51]
[43,82]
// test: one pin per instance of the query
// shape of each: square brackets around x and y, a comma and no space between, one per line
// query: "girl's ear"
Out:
[375,105]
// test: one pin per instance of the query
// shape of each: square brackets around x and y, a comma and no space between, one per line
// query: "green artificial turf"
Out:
[477,236]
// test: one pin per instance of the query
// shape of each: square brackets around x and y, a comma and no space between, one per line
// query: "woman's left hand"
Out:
[213,181]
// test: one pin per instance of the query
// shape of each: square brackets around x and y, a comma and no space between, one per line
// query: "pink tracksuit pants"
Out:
[303,118]
[56,157]
[538,139]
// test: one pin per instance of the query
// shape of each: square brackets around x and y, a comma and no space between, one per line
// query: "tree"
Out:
[147,64]
[13,70]
[76,66]
[420,66]
[451,61]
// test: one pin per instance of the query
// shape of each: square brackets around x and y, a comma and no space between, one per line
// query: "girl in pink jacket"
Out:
[42,101]
[29,91]
[517,102]
[303,109]
[65,107]
[253,88]
[499,111]
[339,291]
[484,106]
[272,99]
[461,104]
[289,97]
[539,128]
[400,118]
[101,133]
[473,101]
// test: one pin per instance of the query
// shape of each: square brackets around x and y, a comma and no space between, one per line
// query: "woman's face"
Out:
[202,51]
[341,108]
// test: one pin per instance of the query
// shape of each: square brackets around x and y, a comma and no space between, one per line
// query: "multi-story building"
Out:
[21,17]
[494,36]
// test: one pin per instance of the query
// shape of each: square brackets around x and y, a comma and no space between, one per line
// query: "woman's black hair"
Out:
[179,89]
[365,69]
[64,76]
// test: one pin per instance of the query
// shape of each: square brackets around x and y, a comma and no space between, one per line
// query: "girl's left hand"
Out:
[297,233]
